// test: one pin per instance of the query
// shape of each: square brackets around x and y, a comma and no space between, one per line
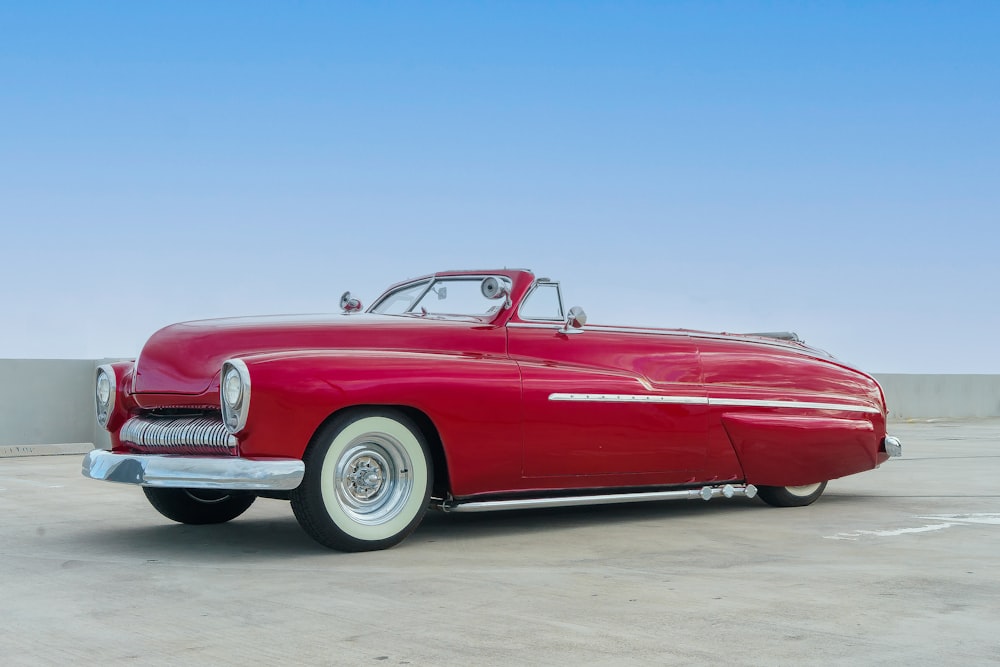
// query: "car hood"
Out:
[187,358]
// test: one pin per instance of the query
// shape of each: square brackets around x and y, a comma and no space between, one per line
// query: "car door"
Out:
[604,402]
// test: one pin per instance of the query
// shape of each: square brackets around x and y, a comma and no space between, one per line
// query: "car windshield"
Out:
[461,296]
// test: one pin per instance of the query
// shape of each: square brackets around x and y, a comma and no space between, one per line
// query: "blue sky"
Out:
[829,168]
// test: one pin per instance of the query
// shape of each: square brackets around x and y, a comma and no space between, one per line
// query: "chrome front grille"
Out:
[178,435]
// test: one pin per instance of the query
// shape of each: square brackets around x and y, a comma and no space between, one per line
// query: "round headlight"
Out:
[232,387]
[103,388]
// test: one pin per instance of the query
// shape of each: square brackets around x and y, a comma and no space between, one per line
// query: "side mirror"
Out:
[349,304]
[495,289]
[575,319]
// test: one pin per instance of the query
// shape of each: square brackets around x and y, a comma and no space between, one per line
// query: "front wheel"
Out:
[791,496]
[198,506]
[367,482]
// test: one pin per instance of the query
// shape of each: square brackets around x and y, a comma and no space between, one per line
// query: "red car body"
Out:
[513,408]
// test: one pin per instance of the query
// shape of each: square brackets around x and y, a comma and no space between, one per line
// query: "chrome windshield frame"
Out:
[431,282]
[399,288]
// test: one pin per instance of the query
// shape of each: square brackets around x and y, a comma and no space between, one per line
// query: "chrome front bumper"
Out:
[194,472]
[893,447]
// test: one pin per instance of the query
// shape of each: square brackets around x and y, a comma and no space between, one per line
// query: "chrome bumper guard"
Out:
[893,447]
[194,472]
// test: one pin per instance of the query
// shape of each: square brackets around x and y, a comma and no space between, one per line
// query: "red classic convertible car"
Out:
[473,391]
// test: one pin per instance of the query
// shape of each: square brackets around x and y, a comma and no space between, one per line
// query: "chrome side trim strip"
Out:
[705,493]
[194,472]
[702,400]
[809,405]
[630,398]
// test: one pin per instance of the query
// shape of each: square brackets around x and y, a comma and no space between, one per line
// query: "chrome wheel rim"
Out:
[802,491]
[373,479]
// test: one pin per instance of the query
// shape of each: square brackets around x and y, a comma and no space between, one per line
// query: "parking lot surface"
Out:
[900,565]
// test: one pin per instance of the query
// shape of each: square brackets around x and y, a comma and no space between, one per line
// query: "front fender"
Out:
[473,401]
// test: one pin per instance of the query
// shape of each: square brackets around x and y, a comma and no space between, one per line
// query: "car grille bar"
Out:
[178,435]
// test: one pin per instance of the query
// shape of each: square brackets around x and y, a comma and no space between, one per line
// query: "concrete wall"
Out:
[46,402]
[941,396]
[49,402]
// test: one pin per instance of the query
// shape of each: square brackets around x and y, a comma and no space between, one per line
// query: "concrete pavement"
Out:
[900,565]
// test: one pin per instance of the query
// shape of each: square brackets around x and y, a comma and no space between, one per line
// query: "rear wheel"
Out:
[791,496]
[198,506]
[367,483]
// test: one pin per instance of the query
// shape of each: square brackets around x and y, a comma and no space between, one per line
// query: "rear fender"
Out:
[785,450]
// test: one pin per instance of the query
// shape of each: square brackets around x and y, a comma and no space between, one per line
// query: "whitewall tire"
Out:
[367,482]
[791,496]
